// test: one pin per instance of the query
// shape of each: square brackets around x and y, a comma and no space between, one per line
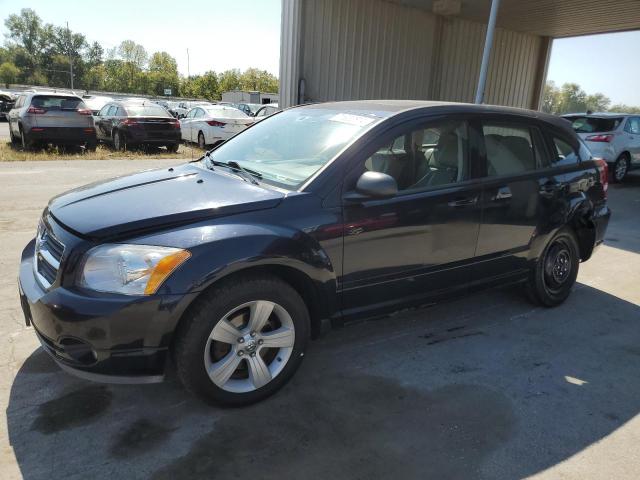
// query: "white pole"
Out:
[486,55]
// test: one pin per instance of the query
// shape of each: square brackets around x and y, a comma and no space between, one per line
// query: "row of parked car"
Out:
[42,117]
[60,118]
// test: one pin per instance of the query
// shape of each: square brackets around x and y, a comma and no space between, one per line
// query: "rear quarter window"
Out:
[563,153]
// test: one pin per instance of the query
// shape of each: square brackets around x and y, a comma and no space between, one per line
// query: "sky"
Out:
[224,34]
[609,64]
[220,34]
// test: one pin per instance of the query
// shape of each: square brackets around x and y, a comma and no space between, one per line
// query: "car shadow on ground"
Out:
[484,387]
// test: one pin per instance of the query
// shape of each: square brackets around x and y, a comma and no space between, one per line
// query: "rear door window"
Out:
[112,110]
[510,149]
[633,125]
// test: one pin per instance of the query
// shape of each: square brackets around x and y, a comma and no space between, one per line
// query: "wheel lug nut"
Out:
[253,354]
[241,340]
[253,334]
[240,353]
[260,342]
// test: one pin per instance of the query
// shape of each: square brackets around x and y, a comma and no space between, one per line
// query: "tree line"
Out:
[571,98]
[38,53]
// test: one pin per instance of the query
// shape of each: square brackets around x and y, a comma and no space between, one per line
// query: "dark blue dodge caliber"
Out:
[317,215]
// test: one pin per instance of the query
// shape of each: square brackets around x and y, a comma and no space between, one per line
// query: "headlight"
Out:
[130,269]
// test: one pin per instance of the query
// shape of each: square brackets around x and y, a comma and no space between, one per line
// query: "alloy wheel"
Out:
[249,346]
[621,169]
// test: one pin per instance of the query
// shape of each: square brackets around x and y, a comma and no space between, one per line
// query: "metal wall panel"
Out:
[359,49]
[512,69]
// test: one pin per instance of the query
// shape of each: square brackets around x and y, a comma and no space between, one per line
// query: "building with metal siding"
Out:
[361,49]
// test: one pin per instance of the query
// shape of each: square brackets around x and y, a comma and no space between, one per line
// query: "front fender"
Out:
[220,250]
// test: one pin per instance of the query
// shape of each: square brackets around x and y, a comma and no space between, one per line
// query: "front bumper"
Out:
[102,337]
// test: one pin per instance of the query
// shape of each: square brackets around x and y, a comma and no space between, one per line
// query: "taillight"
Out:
[129,121]
[37,110]
[215,123]
[599,138]
[89,130]
[175,124]
[84,111]
[603,168]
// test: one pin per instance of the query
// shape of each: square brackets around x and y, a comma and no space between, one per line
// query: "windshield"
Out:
[228,112]
[288,148]
[147,111]
[582,124]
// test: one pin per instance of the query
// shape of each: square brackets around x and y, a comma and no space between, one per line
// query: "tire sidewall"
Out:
[204,142]
[542,293]
[210,310]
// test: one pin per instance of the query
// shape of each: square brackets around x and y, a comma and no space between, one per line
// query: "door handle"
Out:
[503,193]
[463,202]
[550,188]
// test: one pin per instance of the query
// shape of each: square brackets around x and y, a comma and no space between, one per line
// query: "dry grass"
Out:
[9,153]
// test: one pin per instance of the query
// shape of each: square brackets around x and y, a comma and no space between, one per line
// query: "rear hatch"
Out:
[597,131]
[57,111]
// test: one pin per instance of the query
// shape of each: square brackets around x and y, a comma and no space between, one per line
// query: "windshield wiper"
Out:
[244,173]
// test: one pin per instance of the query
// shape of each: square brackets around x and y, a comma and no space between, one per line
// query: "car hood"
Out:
[157,198]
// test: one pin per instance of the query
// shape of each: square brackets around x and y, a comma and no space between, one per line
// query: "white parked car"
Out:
[614,137]
[213,124]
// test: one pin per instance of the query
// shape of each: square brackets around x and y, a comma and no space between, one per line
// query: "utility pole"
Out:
[188,69]
[69,52]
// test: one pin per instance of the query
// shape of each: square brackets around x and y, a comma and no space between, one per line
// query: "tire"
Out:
[14,140]
[25,141]
[91,145]
[237,359]
[119,142]
[556,270]
[173,147]
[620,168]
[201,141]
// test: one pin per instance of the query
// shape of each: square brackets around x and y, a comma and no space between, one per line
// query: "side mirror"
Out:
[374,185]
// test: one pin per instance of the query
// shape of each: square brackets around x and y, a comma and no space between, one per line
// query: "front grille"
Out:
[48,255]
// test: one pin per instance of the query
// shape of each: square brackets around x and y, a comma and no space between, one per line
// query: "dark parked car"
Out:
[128,124]
[317,215]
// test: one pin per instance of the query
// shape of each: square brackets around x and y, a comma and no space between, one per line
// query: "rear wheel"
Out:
[242,341]
[91,145]
[620,168]
[173,147]
[201,141]
[119,142]
[14,140]
[26,142]
[555,271]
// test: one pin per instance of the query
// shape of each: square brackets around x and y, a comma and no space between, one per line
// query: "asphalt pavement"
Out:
[486,387]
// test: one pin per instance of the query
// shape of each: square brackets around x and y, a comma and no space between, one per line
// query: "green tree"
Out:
[258,80]
[8,73]
[229,80]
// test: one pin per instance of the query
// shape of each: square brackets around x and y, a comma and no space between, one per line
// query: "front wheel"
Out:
[119,143]
[556,270]
[242,341]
